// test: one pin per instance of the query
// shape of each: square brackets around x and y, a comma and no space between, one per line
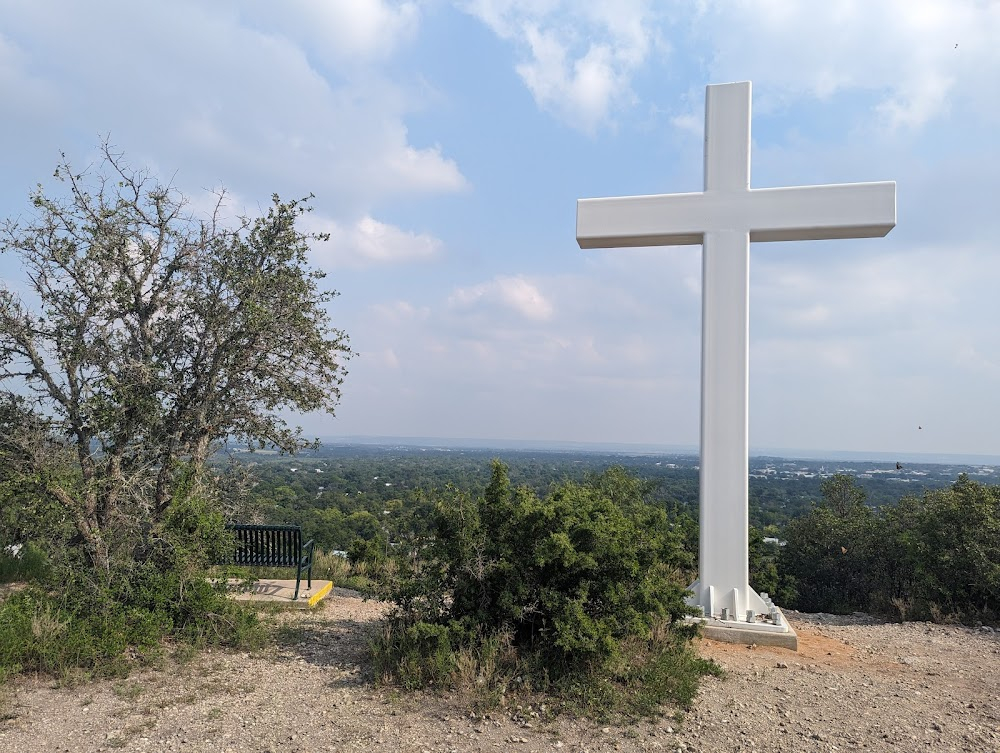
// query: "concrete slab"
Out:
[274,591]
[736,634]
[778,633]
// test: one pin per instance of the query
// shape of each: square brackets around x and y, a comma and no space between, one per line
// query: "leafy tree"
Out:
[828,555]
[763,565]
[947,545]
[842,495]
[146,336]
[936,556]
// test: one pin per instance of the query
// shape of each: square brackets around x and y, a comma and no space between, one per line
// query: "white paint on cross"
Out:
[725,218]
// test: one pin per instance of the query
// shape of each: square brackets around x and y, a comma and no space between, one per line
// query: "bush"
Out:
[570,582]
[338,570]
[416,655]
[652,672]
[101,627]
[72,617]
[37,634]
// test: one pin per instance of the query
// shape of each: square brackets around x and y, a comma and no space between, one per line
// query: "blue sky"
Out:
[447,143]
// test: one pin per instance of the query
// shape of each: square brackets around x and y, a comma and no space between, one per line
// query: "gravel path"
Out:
[854,684]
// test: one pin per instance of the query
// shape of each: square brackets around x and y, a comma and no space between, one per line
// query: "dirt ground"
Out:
[854,684]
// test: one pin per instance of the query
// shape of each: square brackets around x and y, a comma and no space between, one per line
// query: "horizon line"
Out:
[648,448]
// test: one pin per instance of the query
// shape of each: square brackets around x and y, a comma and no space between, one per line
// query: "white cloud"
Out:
[576,58]
[848,292]
[810,315]
[557,356]
[367,241]
[917,56]
[689,122]
[580,90]
[854,349]
[304,105]
[22,90]
[342,31]
[516,294]
[426,168]
[971,357]
[399,312]
[388,358]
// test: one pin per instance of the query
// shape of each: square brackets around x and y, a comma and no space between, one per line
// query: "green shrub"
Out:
[39,634]
[947,545]
[765,576]
[101,626]
[79,618]
[414,656]
[340,571]
[371,550]
[570,581]
[655,671]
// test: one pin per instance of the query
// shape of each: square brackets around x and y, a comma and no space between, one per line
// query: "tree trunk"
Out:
[86,525]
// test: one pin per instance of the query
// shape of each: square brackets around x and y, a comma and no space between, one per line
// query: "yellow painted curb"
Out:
[320,594]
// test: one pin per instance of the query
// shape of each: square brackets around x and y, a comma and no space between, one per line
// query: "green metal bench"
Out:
[273,546]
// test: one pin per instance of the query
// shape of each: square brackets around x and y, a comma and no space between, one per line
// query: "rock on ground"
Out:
[855,684]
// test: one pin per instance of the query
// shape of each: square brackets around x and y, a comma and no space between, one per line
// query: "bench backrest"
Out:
[276,546]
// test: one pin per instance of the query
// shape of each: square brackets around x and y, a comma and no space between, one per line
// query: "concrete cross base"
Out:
[748,633]
[746,617]
[734,601]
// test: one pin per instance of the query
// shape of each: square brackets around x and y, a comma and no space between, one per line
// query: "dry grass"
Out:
[7,711]
[46,625]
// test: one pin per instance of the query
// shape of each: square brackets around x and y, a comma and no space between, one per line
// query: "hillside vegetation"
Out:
[496,581]
[847,544]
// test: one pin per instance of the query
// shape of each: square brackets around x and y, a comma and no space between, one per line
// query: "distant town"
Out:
[777,465]
[780,488]
[901,473]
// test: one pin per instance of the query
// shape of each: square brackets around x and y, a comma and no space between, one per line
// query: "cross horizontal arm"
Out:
[809,213]
[849,210]
[657,220]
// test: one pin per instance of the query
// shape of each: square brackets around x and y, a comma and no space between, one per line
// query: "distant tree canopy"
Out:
[146,335]
[930,557]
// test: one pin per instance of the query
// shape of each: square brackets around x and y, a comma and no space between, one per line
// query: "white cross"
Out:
[724,219]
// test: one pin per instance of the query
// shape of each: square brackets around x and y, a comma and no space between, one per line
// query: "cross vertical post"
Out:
[723,561]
